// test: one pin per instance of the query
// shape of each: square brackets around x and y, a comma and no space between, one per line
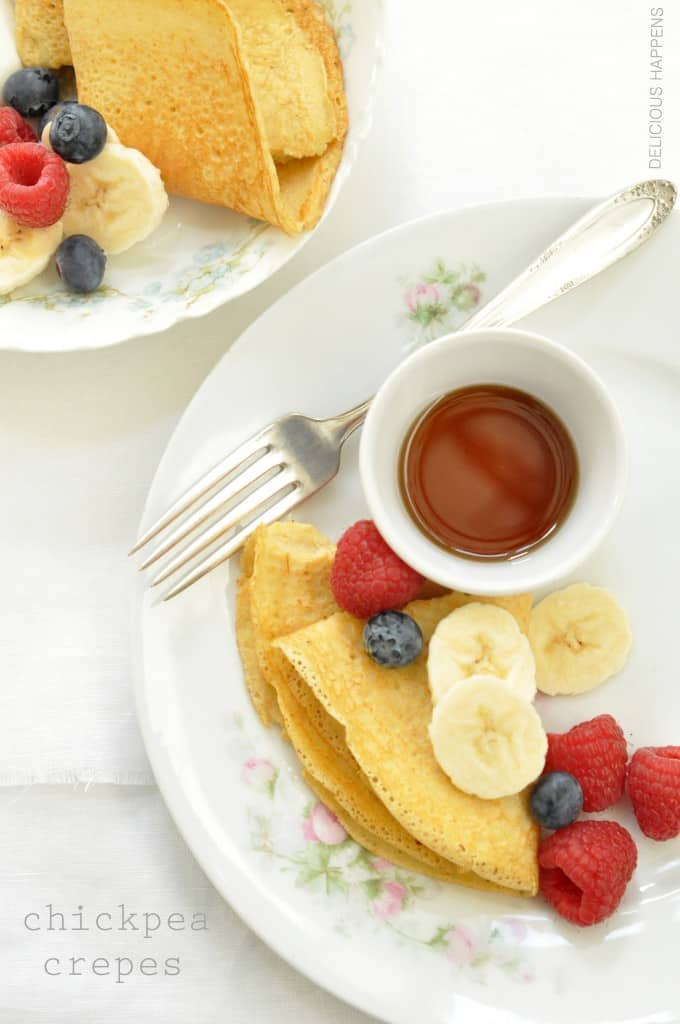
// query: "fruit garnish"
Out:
[580,637]
[118,198]
[556,800]
[81,263]
[34,184]
[367,576]
[24,252]
[13,128]
[31,91]
[393,639]
[585,869]
[654,789]
[480,639]
[78,133]
[50,115]
[488,739]
[595,753]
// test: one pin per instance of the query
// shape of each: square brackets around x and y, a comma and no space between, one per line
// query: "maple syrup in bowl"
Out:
[488,471]
[493,461]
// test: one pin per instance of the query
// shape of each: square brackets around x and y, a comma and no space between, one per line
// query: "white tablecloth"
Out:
[479,102]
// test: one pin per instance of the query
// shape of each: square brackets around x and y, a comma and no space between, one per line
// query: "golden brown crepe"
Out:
[285,585]
[288,76]
[41,36]
[286,578]
[386,714]
[213,92]
[379,848]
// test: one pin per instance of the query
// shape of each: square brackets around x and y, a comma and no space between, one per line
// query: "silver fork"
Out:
[295,456]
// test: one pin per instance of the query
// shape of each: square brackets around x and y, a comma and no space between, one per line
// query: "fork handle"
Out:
[340,427]
[602,237]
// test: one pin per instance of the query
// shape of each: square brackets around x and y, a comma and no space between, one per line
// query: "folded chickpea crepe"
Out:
[237,102]
[41,36]
[360,730]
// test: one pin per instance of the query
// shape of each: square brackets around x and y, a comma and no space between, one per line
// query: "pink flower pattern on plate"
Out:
[321,826]
[434,299]
[391,900]
[461,945]
[469,295]
[384,867]
[422,294]
[259,773]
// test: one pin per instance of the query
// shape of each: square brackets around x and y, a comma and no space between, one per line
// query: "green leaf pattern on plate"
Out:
[306,842]
[435,301]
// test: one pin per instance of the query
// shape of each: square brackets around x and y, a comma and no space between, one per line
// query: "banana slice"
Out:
[9,59]
[484,640]
[118,198]
[488,739]
[580,636]
[24,252]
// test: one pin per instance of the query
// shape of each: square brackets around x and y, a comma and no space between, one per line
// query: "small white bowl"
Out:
[530,363]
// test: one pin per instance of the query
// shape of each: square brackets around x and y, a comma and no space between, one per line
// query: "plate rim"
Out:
[169,784]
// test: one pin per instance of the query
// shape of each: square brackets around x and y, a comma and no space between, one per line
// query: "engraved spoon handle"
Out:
[603,236]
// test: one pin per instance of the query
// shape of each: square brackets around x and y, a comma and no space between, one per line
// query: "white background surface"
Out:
[478,103]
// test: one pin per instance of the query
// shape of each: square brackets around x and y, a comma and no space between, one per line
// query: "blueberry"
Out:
[556,800]
[31,91]
[52,113]
[81,263]
[393,639]
[78,133]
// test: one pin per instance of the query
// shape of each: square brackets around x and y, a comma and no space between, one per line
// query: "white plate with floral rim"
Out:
[396,945]
[201,256]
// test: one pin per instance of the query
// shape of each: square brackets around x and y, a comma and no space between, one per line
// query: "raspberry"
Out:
[367,576]
[585,868]
[595,753]
[654,789]
[13,128]
[34,184]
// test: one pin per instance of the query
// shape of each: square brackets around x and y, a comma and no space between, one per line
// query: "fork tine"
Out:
[209,480]
[261,466]
[223,553]
[227,522]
